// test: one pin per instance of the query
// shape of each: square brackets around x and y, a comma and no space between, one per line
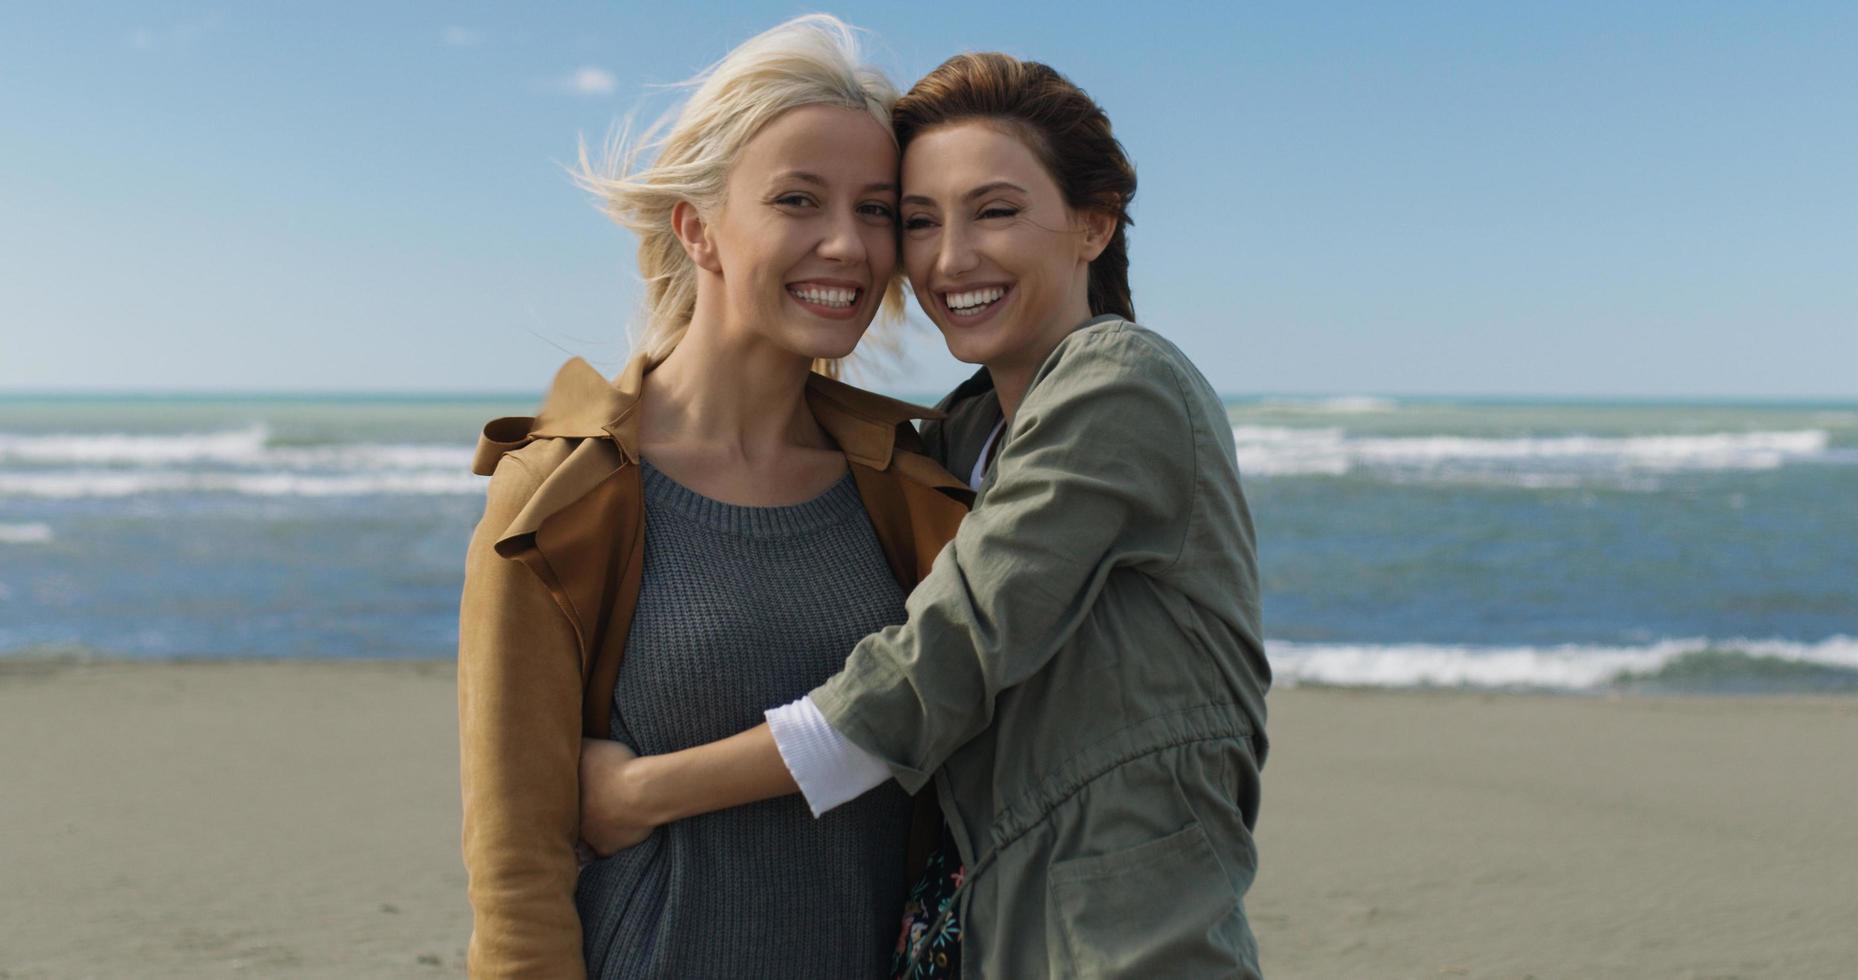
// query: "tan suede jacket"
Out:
[551,581]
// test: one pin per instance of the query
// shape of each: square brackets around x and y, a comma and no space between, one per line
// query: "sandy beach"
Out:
[300,820]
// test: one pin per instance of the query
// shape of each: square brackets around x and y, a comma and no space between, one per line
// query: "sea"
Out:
[1501,545]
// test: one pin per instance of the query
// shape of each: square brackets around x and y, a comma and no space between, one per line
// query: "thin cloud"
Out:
[591,81]
[173,36]
[461,37]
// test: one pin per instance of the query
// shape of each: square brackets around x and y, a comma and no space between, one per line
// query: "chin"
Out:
[826,351]
[964,352]
[970,349]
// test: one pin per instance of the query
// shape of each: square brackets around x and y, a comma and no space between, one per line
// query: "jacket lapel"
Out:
[582,531]
[914,504]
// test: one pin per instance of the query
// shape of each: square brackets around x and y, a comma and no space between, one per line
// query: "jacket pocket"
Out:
[1160,909]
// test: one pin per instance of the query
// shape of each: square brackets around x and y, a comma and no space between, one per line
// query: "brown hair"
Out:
[1066,129]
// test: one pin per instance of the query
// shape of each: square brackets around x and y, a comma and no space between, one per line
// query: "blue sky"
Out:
[1652,199]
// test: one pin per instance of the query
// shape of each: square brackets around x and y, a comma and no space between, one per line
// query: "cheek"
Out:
[920,292]
[880,245]
[919,257]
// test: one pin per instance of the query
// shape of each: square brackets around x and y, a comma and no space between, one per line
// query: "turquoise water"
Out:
[1501,544]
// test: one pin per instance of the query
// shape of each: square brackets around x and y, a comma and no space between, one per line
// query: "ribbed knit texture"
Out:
[742,609]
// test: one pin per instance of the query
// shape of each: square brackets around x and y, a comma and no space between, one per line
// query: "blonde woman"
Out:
[665,555]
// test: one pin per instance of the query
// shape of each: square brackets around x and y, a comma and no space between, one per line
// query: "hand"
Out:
[613,816]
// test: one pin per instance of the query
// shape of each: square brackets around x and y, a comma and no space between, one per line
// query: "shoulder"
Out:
[1112,365]
[1119,347]
[517,475]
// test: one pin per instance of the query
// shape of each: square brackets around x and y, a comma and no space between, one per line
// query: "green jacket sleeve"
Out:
[1098,473]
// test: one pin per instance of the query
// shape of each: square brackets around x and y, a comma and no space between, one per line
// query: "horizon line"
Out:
[488,394]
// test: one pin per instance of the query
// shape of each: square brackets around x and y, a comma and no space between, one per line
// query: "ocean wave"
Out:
[25,533]
[239,461]
[1527,461]
[233,446]
[74,484]
[1572,667]
[249,447]
[1339,405]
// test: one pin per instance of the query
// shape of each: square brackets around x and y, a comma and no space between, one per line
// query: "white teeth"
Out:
[973,299]
[825,295]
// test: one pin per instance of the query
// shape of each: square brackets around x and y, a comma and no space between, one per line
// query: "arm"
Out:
[624,796]
[1099,473]
[519,711]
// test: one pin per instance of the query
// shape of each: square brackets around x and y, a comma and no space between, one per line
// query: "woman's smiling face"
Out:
[805,241]
[994,255]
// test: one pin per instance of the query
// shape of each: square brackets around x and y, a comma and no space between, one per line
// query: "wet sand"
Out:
[301,820]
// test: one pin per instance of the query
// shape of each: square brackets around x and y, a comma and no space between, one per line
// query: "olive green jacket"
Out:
[1082,673]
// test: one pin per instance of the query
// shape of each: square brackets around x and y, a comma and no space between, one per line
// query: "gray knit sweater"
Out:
[742,609]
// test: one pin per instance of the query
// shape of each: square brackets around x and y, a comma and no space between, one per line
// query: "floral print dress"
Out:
[929,944]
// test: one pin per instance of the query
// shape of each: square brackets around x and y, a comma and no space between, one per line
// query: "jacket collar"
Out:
[582,404]
[979,383]
[575,524]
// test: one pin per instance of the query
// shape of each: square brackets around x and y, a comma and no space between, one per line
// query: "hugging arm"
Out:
[624,796]
[1099,472]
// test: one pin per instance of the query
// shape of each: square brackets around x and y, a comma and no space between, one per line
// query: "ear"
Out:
[1098,227]
[694,235]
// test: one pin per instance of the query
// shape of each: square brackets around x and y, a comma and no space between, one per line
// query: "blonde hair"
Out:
[686,155]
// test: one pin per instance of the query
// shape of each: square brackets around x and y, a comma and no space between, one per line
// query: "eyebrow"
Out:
[818,181]
[981,191]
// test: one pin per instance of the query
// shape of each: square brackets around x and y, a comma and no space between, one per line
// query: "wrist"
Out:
[646,787]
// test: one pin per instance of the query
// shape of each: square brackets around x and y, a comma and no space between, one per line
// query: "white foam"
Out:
[25,533]
[236,446]
[240,461]
[1567,667]
[371,456]
[248,447]
[1526,461]
[73,484]
[1340,405]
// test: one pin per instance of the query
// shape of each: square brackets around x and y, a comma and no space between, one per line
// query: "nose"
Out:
[843,243]
[954,255]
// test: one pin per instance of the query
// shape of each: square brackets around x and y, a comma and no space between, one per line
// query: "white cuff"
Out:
[828,767]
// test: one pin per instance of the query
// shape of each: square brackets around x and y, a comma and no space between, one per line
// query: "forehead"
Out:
[832,142]
[948,160]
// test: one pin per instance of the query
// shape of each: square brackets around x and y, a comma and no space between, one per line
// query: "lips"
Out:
[973,300]
[835,298]
[974,303]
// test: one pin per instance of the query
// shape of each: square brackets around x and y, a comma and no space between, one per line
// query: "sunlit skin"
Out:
[810,205]
[980,212]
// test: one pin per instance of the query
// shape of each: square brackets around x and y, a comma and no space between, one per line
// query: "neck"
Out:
[730,393]
[1013,374]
